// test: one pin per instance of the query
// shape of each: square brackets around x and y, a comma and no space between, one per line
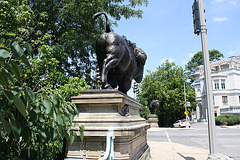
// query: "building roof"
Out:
[235,59]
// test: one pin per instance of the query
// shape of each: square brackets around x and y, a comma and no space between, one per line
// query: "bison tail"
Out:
[107,22]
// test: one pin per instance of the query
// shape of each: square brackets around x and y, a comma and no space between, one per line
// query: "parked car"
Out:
[181,123]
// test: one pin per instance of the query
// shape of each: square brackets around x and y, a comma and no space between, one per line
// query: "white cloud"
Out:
[190,55]
[169,59]
[233,2]
[220,19]
[184,62]
[234,49]
[232,53]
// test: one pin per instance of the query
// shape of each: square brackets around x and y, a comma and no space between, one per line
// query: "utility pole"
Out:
[185,105]
[199,11]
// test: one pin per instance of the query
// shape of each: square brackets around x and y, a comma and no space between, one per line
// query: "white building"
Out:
[225,76]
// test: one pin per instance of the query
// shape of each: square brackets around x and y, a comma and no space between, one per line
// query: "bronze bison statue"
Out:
[119,60]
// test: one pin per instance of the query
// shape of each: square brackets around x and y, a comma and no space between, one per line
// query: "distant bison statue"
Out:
[153,105]
[119,61]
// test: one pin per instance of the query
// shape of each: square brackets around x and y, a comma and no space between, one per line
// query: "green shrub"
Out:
[227,119]
[34,122]
[223,120]
[217,120]
[230,121]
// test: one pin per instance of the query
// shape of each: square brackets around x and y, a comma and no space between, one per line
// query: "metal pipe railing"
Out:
[109,154]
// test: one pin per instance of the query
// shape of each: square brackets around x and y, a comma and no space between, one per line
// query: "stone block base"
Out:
[153,120]
[100,109]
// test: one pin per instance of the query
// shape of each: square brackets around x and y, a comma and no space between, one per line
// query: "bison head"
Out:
[140,57]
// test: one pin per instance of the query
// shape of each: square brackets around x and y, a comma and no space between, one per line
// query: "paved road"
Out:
[228,139]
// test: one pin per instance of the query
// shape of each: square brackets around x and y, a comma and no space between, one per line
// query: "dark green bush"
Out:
[227,119]
[230,121]
[223,120]
[217,120]
[237,119]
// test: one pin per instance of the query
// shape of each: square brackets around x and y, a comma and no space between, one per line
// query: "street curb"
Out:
[226,157]
[229,126]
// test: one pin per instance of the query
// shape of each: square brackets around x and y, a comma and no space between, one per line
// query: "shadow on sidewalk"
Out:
[187,158]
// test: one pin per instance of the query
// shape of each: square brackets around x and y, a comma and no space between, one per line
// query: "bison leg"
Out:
[107,65]
[125,84]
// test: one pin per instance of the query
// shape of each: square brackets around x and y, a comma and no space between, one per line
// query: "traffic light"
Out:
[98,75]
[196,18]
[135,87]
[137,92]
[183,104]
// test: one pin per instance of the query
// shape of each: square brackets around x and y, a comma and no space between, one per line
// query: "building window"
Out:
[198,88]
[223,83]
[239,99]
[224,100]
[216,84]
[215,69]
[224,67]
[213,101]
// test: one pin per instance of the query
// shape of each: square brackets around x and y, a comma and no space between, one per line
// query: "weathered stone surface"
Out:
[100,109]
[153,121]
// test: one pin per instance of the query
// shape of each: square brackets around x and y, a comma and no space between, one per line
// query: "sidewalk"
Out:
[173,151]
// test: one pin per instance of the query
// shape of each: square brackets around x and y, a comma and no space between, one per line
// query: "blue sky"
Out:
[165,30]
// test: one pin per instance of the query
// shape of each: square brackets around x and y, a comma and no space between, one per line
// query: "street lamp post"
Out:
[210,108]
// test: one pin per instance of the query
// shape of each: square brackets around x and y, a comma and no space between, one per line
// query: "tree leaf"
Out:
[66,135]
[42,134]
[55,135]
[9,95]
[16,128]
[16,70]
[9,67]
[4,54]
[59,119]
[55,101]
[72,138]
[4,77]
[33,115]
[48,105]
[18,103]
[26,62]
[31,94]
[16,50]
[6,125]
[28,48]
[81,131]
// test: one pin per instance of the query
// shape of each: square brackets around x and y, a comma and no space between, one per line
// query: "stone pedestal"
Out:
[100,109]
[153,120]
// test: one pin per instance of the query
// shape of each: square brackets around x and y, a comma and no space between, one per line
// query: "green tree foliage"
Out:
[62,32]
[197,60]
[33,123]
[166,84]
[72,88]
[42,44]
[144,111]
